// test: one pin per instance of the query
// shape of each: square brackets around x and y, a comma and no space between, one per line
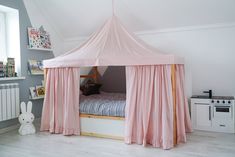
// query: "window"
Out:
[3,51]
[10,36]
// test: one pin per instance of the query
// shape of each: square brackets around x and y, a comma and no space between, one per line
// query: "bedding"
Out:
[90,88]
[103,104]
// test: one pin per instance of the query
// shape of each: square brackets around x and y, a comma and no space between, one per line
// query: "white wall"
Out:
[209,54]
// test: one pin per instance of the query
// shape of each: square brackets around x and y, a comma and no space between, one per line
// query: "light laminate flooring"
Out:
[199,144]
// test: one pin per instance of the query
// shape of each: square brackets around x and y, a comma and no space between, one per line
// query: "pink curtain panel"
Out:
[149,108]
[60,109]
[182,109]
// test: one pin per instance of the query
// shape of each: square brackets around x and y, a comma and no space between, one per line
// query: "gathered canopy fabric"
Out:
[149,106]
[182,110]
[113,45]
[60,113]
[149,103]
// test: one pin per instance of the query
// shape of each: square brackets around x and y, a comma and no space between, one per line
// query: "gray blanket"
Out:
[105,104]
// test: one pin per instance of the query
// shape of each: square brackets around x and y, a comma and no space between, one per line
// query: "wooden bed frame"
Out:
[89,122]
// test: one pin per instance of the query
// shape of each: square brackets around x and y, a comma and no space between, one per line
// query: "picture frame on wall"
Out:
[38,38]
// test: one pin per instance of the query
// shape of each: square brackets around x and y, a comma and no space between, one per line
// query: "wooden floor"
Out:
[200,144]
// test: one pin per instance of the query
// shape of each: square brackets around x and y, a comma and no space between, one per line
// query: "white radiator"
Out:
[9,101]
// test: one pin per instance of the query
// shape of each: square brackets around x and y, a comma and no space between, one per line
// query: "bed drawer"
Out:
[102,127]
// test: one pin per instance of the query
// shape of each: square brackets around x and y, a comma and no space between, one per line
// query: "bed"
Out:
[103,104]
[154,80]
[100,112]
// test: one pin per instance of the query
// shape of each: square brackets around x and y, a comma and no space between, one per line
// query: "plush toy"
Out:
[26,119]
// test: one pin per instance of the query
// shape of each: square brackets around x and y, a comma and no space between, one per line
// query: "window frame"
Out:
[10,36]
[3,37]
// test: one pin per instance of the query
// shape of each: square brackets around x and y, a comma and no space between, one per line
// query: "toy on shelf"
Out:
[2,73]
[8,69]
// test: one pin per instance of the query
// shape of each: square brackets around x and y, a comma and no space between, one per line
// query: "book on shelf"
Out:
[33,93]
[43,83]
[37,91]
[38,38]
[40,91]
[35,67]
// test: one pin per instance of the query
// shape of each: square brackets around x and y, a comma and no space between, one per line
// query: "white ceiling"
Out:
[79,18]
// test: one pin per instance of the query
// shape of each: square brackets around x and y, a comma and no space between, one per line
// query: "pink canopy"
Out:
[114,45]
[149,115]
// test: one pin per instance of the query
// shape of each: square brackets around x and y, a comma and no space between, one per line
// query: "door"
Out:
[203,116]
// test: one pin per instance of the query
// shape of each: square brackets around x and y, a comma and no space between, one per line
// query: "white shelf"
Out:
[37,98]
[41,49]
[36,74]
[11,78]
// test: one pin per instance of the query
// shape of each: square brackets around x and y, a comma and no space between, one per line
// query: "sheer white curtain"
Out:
[3,37]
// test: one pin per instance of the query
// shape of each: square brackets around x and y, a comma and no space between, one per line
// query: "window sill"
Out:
[11,78]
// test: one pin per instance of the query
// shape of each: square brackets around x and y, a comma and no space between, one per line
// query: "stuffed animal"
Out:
[26,119]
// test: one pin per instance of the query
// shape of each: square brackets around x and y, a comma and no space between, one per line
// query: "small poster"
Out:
[38,38]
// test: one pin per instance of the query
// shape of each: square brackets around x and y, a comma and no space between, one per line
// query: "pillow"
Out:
[90,88]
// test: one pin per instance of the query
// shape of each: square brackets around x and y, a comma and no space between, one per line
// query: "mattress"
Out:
[104,104]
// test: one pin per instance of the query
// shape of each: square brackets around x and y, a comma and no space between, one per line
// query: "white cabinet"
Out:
[213,115]
[201,116]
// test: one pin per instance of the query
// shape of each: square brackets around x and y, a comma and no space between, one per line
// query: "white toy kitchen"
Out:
[213,113]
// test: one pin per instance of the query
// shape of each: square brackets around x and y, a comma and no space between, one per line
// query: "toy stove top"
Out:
[217,99]
[224,100]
